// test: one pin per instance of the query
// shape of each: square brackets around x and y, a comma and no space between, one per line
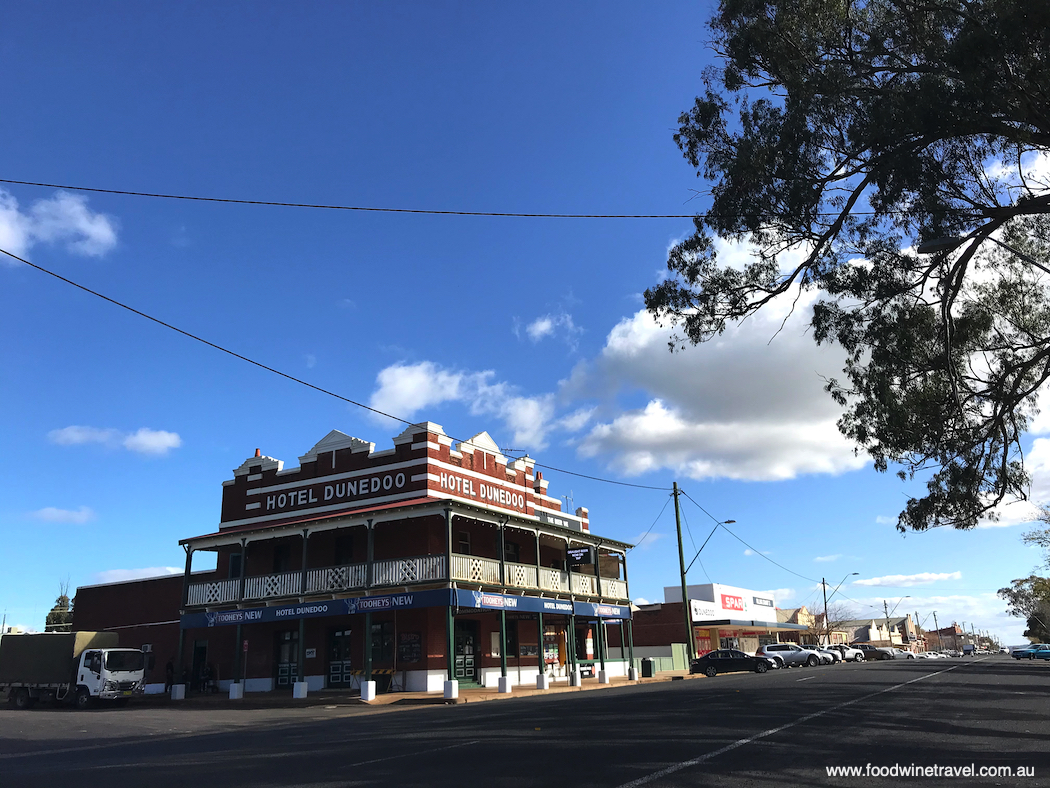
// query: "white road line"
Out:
[807,678]
[677,767]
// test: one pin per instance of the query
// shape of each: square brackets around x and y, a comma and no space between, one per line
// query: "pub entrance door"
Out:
[340,673]
[467,654]
[287,658]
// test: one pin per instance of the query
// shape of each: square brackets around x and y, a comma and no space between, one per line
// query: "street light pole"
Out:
[937,627]
[827,620]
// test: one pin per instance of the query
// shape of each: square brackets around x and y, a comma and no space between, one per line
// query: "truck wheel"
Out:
[20,698]
[83,700]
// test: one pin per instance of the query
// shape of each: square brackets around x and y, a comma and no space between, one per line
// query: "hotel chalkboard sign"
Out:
[409,647]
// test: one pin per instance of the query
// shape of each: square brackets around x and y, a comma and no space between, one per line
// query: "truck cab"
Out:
[109,674]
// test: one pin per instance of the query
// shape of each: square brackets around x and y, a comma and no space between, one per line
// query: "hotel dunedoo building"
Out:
[410,566]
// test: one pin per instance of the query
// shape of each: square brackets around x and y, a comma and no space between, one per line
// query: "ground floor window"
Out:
[765,640]
[730,642]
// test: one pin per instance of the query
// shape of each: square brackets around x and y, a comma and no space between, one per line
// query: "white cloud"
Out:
[646,540]
[50,514]
[143,441]
[119,575]
[884,520]
[155,442]
[553,325]
[749,551]
[61,219]
[983,611]
[75,435]
[311,361]
[747,405]
[781,595]
[828,558]
[404,390]
[642,601]
[905,581]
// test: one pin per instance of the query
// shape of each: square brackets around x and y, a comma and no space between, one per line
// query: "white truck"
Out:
[73,667]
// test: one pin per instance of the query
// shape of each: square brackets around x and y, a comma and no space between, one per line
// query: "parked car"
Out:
[849,653]
[825,657]
[727,660]
[787,654]
[899,653]
[872,653]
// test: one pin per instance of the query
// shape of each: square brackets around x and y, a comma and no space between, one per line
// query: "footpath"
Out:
[337,698]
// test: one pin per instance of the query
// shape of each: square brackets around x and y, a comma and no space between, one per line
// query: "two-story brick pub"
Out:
[414,566]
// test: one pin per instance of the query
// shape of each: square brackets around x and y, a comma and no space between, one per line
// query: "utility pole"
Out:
[937,627]
[827,626]
[690,641]
[886,610]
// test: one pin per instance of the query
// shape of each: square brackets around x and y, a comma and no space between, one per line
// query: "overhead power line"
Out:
[376,209]
[285,375]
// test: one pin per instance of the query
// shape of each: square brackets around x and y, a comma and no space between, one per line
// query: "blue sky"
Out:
[117,434]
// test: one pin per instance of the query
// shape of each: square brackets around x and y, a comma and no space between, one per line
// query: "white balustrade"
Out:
[554,580]
[475,570]
[403,571]
[215,593]
[267,586]
[584,584]
[611,587]
[335,578]
[521,575]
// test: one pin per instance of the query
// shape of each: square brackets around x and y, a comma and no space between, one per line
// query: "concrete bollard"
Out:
[603,677]
[178,692]
[632,674]
[236,691]
[504,685]
[368,690]
[299,689]
[451,690]
[543,682]
[575,680]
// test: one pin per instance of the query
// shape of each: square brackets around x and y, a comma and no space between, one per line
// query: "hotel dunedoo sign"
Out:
[377,485]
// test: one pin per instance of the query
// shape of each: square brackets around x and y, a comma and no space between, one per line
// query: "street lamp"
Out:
[951,243]
[827,621]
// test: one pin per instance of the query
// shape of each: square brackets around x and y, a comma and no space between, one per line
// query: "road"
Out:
[779,729]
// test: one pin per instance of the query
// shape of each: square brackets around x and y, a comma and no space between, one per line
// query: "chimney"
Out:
[258,453]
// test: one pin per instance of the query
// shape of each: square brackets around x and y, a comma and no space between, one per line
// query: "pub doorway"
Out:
[466,653]
[286,658]
[340,672]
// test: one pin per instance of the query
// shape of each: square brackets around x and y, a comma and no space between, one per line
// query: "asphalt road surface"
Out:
[780,729]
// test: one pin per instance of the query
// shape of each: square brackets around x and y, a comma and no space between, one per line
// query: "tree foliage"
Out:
[1029,598]
[837,135]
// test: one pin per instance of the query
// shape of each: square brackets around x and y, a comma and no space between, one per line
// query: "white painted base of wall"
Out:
[603,676]
[425,680]
[258,685]
[236,691]
[519,677]
[368,690]
[542,682]
[504,685]
[316,682]
[178,692]
[154,689]
[451,690]
[616,667]
[300,689]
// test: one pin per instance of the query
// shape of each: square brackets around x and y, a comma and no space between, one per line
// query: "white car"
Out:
[825,657]
[849,654]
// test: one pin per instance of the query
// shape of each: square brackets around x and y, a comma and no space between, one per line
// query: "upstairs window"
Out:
[511,552]
[235,565]
[463,543]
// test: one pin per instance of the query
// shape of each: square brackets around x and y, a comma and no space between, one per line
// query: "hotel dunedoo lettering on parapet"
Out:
[412,566]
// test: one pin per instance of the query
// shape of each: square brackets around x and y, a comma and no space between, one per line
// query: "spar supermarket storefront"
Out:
[721,616]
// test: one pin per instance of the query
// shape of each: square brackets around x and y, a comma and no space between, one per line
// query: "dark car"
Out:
[874,653]
[727,660]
